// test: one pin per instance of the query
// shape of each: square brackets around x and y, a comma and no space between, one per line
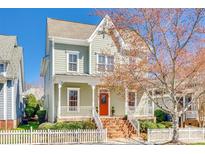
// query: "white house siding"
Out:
[99,45]
[1,101]
[61,58]
[9,100]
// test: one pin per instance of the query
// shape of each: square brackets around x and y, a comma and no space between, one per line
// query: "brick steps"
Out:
[192,122]
[118,128]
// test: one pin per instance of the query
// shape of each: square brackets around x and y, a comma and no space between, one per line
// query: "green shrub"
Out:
[159,125]
[167,124]
[41,116]
[30,112]
[46,125]
[160,115]
[88,125]
[37,108]
[69,125]
[31,101]
[144,125]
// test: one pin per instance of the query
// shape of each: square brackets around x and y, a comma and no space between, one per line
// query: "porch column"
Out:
[183,115]
[93,99]
[126,100]
[59,99]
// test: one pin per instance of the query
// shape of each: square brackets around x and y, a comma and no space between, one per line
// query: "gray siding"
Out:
[1,101]
[9,100]
[61,58]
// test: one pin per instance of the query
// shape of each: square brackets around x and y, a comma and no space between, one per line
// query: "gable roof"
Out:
[68,29]
[11,54]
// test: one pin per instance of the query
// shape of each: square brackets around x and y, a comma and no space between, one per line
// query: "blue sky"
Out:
[30,27]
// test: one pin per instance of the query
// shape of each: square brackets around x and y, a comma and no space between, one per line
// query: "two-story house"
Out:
[76,56]
[11,82]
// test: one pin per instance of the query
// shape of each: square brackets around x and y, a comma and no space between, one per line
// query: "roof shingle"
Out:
[67,29]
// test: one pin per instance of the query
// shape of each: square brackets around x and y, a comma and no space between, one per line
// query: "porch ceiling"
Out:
[79,78]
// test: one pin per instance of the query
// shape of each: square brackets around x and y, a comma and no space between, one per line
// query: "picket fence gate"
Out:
[79,136]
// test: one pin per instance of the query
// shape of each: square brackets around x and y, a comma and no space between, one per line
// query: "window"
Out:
[73,99]
[101,63]
[2,70]
[131,99]
[105,63]
[73,61]
[110,63]
[9,83]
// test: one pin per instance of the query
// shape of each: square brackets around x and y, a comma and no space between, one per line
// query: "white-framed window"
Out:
[131,99]
[105,63]
[73,61]
[2,68]
[73,99]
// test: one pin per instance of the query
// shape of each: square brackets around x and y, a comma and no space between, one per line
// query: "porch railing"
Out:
[140,111]
[97,120]
[76,111]
[191,114]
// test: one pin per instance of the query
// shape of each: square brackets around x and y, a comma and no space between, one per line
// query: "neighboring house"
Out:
[73,62]
[11,82]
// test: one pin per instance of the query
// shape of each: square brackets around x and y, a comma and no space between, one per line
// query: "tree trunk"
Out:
[175,137]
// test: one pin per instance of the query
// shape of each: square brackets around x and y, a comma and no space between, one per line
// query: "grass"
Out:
[199,143]
[33,124]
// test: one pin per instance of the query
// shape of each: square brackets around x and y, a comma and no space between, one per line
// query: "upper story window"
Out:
[2,68]
[72,59]
[105,63]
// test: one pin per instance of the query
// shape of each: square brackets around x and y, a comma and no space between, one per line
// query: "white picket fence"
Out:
[188,135]
[79,136]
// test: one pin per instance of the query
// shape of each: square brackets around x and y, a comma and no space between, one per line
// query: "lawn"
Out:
[33,124]
[200,143]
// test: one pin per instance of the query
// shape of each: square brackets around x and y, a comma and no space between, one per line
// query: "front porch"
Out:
[80,97]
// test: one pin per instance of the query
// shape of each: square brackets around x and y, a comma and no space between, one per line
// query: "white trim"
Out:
[90,57]
[59,99]
[70,41]
[12,100]
[5,101]
[78,101]
[74,53]
[99,26]
[53,57]
[52,83]
[108,100]
[97,29]
[93,99]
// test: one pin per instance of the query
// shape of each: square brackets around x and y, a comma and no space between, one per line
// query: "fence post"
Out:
[31,135]
[148,135]
[189,134]
[170,133]
[48,136]
[105,135]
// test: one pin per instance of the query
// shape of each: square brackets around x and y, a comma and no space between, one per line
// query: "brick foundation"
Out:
[10,124]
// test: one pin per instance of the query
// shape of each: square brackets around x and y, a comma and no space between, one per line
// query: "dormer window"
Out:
[72,59]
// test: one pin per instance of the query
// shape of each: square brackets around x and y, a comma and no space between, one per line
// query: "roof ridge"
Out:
[71,21]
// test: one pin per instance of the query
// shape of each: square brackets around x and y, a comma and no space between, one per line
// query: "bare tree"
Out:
[164,50]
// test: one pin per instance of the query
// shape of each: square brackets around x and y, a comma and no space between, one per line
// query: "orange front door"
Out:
[103,103]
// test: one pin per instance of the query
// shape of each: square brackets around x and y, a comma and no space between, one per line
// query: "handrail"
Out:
[136,125]
[97,120]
